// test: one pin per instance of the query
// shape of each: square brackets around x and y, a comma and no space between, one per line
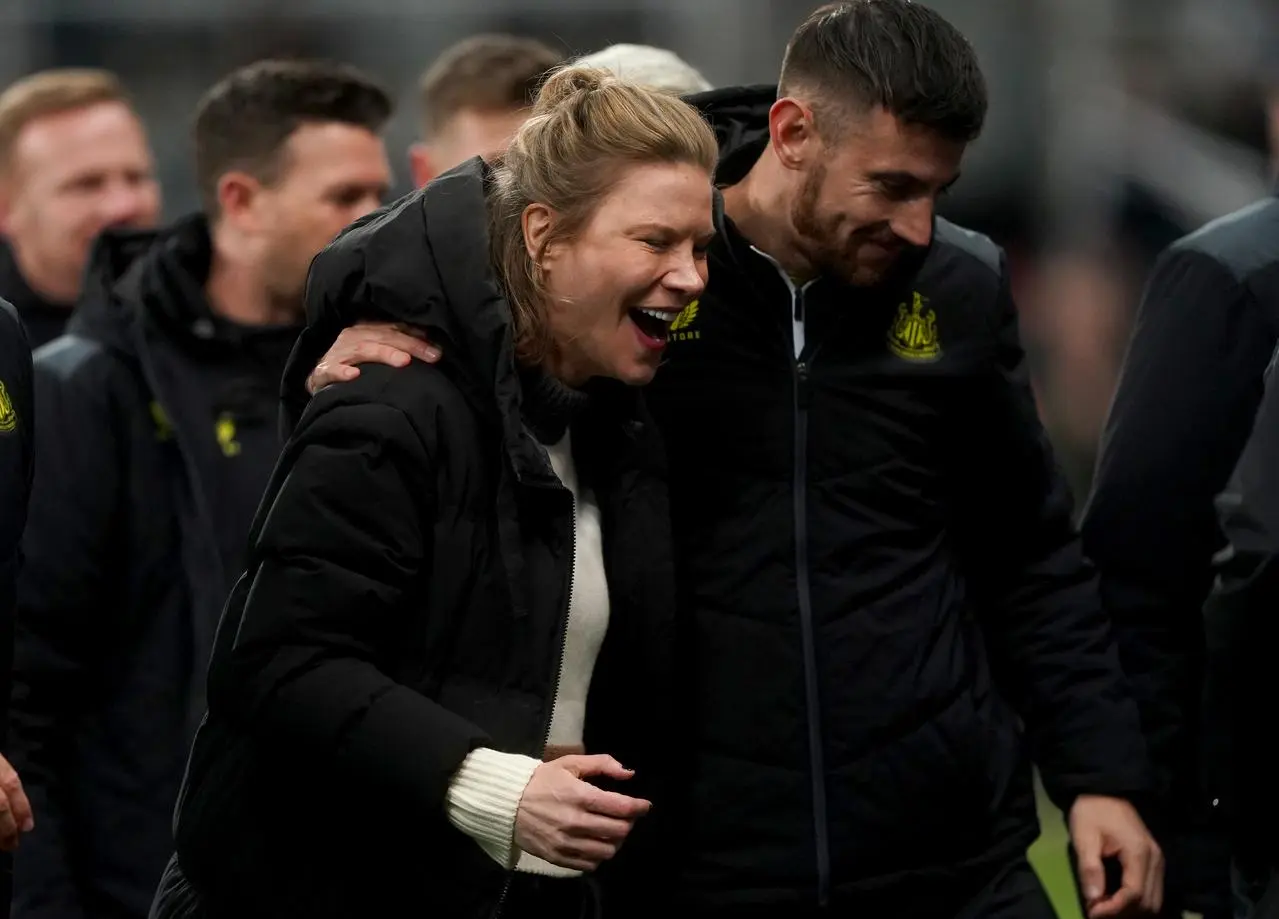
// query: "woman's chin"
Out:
[635,373]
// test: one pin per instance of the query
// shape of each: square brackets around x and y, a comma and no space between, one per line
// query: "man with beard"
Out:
[887,614]
[156,418]
[74,160]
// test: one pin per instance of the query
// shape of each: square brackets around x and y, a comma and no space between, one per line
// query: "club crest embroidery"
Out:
[679,328]
[913,335]
[8,414]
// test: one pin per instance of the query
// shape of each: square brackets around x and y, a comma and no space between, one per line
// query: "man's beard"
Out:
[821,241]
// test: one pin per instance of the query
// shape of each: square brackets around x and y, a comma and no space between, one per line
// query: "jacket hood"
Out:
[423,261]
[151,277]
[739,117]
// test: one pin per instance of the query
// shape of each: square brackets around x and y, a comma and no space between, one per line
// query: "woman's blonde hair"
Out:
[585,128]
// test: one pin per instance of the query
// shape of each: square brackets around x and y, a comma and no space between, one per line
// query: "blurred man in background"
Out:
[1205,331]
[474,97]
[156,419]
[74,160]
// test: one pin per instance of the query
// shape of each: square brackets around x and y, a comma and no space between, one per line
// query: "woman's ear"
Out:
[537,221]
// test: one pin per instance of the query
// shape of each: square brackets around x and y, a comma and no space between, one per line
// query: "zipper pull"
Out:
[803,390]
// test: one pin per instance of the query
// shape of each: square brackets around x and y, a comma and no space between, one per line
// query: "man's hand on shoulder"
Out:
[394,344]
[1103,827]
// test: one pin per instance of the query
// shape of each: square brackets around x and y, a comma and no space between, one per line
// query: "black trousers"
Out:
[528,897]
[531,896]
[1014,893]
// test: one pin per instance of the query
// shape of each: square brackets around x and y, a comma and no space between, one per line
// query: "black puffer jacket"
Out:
[17,461]
[406,598]
[139,513]
[880,580]
[1241,621]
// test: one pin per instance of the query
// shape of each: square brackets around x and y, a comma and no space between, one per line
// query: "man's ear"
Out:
[793,132]
[238,194]
[420,164]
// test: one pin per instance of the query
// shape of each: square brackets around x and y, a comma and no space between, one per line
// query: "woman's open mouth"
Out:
[653,326]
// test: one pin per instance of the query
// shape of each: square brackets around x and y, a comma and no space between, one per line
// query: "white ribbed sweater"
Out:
[485,793]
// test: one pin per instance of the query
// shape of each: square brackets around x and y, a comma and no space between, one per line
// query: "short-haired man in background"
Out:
[156,419]
[74,160]
[474,97]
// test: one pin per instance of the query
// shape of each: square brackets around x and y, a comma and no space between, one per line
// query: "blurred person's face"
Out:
[331,175]
[74,174]
[615,287]
[867,196]
[471,132]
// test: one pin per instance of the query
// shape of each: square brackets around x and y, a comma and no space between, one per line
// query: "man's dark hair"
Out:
[244,122]
[489,73]
[895,54]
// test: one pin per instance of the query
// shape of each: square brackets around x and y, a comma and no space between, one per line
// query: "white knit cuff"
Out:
[484,798]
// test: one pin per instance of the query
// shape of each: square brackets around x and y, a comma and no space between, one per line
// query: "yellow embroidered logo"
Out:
[163,429]
[913,335]
[679,328]
[8,414]
[224,430]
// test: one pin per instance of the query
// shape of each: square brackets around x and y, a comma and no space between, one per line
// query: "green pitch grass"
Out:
[1048,855]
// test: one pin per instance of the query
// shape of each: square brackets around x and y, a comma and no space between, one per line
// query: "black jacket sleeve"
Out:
[1035,594]
[64,606]
[17,454]
[1185,403]
[1241,618]
[339,560]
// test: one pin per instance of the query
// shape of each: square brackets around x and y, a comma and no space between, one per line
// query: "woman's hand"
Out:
[370,343]
[571,823]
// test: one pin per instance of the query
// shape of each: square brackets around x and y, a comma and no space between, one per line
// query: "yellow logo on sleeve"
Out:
[8,414]
[913,336]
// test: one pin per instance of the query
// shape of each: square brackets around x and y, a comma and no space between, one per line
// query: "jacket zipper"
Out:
[807,627]
[184,451]
[802,357]
[801,360]
[564,618]
[202,509]
[559,671]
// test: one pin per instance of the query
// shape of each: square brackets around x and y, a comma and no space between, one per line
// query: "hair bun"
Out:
[570,81]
